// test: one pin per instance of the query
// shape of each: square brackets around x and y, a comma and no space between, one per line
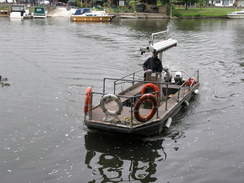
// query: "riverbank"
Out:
[63,12]
[143,15]
[203,12]
[60,12]
[177,12]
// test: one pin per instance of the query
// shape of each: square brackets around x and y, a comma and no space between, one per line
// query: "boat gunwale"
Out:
[91,19]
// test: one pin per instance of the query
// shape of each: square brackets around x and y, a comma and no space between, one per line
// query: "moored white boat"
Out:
[145,105]
[88,15]
[19,11]
[129,16]
[39,12]
[236,14]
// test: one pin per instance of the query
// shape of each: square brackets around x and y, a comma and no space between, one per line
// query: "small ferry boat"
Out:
[145,103]
[236,14]
[87,15]
[19,11]
[39,12]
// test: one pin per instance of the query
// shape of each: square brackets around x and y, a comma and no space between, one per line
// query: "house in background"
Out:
[226,3]
[239,3]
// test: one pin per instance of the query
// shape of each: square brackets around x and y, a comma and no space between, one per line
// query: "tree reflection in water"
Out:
[116,159]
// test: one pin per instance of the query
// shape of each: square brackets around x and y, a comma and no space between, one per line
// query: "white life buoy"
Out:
[107,111]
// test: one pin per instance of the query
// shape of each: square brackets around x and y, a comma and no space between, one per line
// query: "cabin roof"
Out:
[160,46]
[81,11]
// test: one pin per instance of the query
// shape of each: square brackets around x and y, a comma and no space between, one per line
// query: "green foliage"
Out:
[176,14]
[159,3]
[105,5]
[167,2]
[133,4]
[4,7]
[78,3]
[201,3]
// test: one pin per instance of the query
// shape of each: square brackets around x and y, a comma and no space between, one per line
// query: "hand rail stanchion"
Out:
[178,99]
[114,87]
[90,110]
[166,99]
[131,113]
[104,85]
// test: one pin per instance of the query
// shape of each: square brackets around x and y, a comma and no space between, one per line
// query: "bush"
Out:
[105,5]
[177,14]
[159,3]
[133,4]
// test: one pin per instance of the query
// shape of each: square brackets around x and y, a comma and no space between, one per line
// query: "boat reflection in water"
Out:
[121,159]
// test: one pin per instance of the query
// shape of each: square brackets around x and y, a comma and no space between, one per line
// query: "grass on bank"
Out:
[4,7]
[202,11]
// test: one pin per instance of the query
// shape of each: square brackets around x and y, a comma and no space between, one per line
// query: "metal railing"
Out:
[134,79]
[164,34]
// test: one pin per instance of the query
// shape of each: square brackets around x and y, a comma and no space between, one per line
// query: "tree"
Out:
[201,3]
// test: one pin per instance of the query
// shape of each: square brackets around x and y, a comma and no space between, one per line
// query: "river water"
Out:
[49,64]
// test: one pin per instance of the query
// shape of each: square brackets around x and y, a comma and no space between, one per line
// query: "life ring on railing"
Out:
[143,98]
[87,100]
[107,111]
[150,85]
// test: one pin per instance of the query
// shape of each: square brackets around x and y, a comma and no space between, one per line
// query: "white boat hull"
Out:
[40,16]
[15,15]
[128,17]
[235,16]
[107,18]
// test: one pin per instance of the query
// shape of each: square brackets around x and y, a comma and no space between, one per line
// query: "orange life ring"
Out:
[150,85]
[87,100]
[143,98]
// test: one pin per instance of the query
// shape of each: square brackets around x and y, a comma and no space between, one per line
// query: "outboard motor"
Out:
[178,78]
